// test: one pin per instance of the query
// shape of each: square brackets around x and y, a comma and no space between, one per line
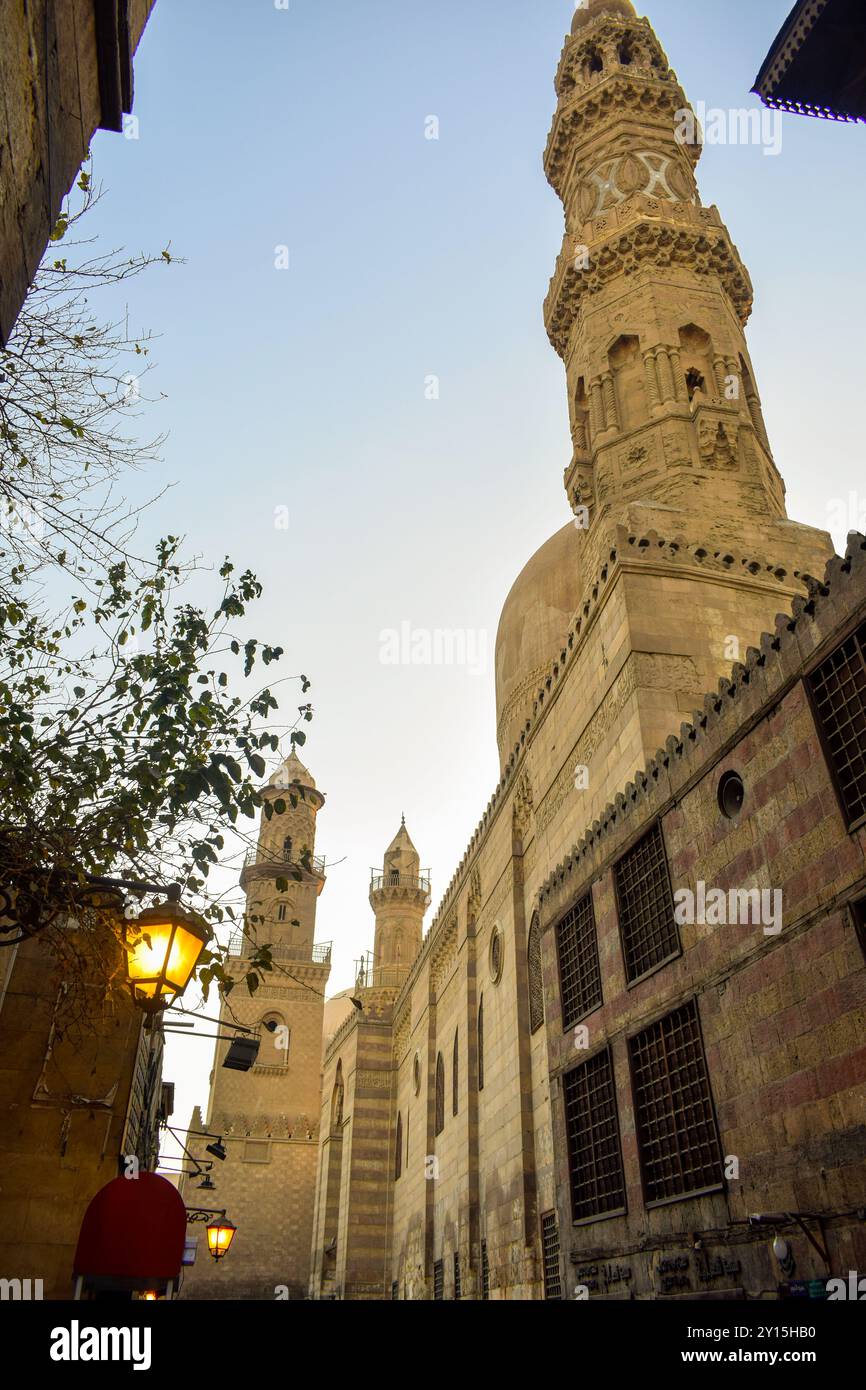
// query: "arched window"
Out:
[281,912]
[337,1098]
[275,1041]
[455,1065]
[694,381]
[287,849]
[594,62]
[440,1095]
[536,984]
[481,1044]
[627,52]
[398,1148]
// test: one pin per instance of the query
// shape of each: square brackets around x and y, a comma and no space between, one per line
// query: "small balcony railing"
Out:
[395,879]
[311,863]
[240,945]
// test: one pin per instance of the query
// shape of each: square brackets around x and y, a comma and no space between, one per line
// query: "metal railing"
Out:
[311,863]
[240,945]
[395,879]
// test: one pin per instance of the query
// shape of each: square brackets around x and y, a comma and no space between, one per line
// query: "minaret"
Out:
[282,877]
[268,1116]
[399,896]
[649,302]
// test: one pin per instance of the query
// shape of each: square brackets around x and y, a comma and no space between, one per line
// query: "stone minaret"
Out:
[268,1117]
[648,306]
[399,897]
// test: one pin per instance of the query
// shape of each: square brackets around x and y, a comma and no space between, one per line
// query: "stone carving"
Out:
[522,812]
[373,1080]
[714,445]
[444,956]
[641,171]
[474,900]
[633,457]
[647,670]
[644,243]
[402,1031]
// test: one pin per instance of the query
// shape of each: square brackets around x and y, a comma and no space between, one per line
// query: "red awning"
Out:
[133,1230]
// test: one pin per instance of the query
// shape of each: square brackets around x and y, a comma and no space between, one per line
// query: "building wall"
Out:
[268,1119]
[50,107]
[68,1107]
[495,1172]
[782,1016]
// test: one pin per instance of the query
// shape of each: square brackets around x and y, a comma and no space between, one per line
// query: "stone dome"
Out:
[591,10]
[291,770]
[532,629]
[401,853]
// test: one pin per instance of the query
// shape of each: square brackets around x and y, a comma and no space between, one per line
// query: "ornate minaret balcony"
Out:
[300,868]
[397,886]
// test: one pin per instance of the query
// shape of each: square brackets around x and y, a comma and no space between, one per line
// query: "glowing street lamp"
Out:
[163,947]
[220,1235]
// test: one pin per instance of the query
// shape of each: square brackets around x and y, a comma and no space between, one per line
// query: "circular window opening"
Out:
[416,1073]
[732,794]
[496,954]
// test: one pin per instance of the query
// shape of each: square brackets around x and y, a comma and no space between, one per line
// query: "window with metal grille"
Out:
[440,1095]
[676,1127]
[550,1252]
[579,972]
[592,1126]
[438,1280]
[398,1147]
[455,1072]
[458,1292]
[838,690]
[395,1290]
[859,913]
[536,982]
[485,1272]
[481,1044]
[646,908]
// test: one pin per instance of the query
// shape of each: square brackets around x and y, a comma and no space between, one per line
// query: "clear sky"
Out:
[304,388]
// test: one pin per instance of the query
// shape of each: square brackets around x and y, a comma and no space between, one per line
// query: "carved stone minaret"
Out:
[650,299]
[399,896]
[268,1116]
[680,553]
[282,878]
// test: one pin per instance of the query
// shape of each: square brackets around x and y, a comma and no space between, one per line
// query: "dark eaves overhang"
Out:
[817,64]
[114,61]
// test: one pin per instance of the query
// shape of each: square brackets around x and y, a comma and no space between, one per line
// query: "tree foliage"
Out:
[133,724]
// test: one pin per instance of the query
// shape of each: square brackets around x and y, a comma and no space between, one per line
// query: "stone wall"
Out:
[56,61]
[782,1016]
[64,1108]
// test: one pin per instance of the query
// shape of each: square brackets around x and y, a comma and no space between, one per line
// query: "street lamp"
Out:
[220,1235]
[163,946]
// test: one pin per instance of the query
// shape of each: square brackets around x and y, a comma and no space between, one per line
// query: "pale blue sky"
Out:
[304,388]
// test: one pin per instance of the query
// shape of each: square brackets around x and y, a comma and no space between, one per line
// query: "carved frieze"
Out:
[649,172]
[644,670]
